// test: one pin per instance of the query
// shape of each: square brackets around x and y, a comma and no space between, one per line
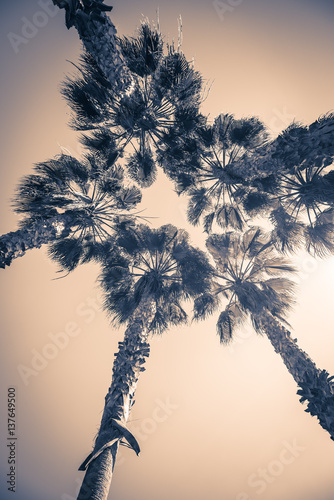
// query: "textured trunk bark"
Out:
[16,243]
[98,35]
[128,365]
[316,386]
[99,40]
[295,359]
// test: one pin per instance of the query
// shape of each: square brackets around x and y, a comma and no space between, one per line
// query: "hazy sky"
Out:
[213,422]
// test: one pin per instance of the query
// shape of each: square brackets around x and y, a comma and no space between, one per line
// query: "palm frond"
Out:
[142,168]
[252,275]
[208,222]
[287,234]
[144,52]
[87,99]
[198,204]
[280,284]
[102,142]
[68,252]
[255,202]
[250,297]
[222,246]
[320,239]
[252,241]
[229,215]
[177,76]
[160,321]
[277,265]
[249,133]
[195,270]
[88,198]
[175,313]
[226,326]
[204,305]
[222,127]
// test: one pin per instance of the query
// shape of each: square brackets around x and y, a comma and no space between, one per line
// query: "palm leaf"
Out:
[251,241]
[225,326]
[287,234]
[205,305]
[222,125]
[229,215]
[198,204]
[177,76]
[283,285]
[142,168]
[129,197]
[222,247]
[208,221]
[250,296]
[320,239]
[249,133]
[67,252]
[277,265]
[144,52]
[175,314]
[255,202]
[102,142]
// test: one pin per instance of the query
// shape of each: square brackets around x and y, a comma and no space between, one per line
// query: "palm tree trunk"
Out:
[316,386]
[98,35]
[127,366]
[16,243]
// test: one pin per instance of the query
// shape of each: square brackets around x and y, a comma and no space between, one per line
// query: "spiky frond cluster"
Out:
[305,201]
[299,144]
[250,275]
[291,180]
[203,166]
[165,91]
[90,194]
[158,264]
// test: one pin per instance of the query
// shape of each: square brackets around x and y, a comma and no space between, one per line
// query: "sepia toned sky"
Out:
[213,422]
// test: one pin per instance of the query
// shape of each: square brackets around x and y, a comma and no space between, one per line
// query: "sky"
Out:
[213,422]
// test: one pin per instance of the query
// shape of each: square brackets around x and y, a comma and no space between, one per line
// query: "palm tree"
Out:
[165,91]
[145,278]
[202,164]
[98,35]
[73,206]
[291,182]
[252,277]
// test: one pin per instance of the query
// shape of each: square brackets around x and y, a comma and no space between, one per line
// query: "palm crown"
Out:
[293,182]
[158,264]
[165,90]
[203,166]
[90,194]
[251,276]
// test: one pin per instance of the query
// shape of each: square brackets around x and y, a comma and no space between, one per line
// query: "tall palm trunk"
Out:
[317,387]
[98,35]
[99,40]
[127,366]
[16,243]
